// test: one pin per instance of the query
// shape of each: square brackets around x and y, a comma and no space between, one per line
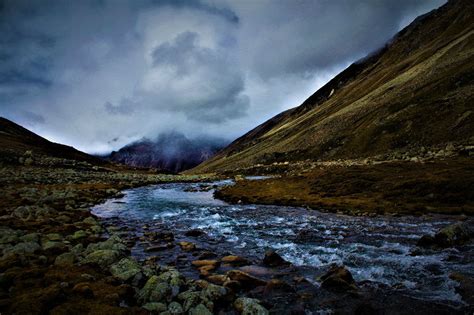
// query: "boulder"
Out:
[272,259]
[187,246]
[200,263]
[54,246]
[217,279]
[125,269]
[155,307]
[235,260]
[449,236]
[25,248]
[173,278]
[338,278]
[65,259]
[248,306]
[154,290]
[31,237]
[175,308]
[455,234]
[189,299]
[207,270]
[90,220]
[200,310]
[113,243]
[194,233]
[79,234]
[245,279]
[103,257]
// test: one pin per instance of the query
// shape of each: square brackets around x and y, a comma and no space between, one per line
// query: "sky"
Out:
[99,74]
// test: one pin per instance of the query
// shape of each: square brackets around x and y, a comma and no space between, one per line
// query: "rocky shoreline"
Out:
[57,258]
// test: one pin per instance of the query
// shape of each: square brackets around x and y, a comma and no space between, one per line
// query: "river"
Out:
[381,250]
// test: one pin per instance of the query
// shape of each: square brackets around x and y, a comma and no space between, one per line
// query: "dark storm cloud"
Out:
[84,72]
[301,37]
[187,60]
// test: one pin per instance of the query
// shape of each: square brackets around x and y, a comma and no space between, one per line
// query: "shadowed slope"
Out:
[15,140]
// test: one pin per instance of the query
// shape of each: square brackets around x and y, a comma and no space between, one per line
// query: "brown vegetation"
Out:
[396,187]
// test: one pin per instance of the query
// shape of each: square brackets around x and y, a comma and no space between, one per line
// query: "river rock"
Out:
[79,234]
[338,278]
[157,248]
[31,237]
[277,287]
[248,306]
[200,310]
[25,248]
[155,290]
[272,259]
[55,237]
[125,269]
[207,270]
[90,221]
[451,235]
[175,308]
[466,286]
[189,299]
[54,246]
[187,246]
[195,233]
[102,257]
[173,278]
[205,262]
[245,279]
[214,292]
[113,243]
[65,259]
[217,279]
[155,307]
[235,260]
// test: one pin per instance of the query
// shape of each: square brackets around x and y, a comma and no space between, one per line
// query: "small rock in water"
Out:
[200,263]
[187,246]
[272,259]
[245,279]
[451,235]
[235,260]
[194,233]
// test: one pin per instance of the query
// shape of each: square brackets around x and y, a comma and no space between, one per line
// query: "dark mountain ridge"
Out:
[172,152]
[15,140]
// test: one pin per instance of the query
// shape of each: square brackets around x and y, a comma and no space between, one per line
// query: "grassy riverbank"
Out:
[392,187]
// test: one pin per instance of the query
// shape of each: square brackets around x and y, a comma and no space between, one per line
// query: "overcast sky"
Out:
[100,74]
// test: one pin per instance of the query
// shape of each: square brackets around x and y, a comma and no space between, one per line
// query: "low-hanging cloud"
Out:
[100,74]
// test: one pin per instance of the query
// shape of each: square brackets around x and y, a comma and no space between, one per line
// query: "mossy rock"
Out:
[102,258]
[125,269]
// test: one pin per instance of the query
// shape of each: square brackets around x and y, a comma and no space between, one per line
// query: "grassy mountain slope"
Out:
[416,91]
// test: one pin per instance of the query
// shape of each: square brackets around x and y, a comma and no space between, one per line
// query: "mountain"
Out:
[16,140]
[416,92]
[171,152]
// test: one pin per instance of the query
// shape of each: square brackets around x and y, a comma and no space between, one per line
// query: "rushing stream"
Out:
[380,249]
